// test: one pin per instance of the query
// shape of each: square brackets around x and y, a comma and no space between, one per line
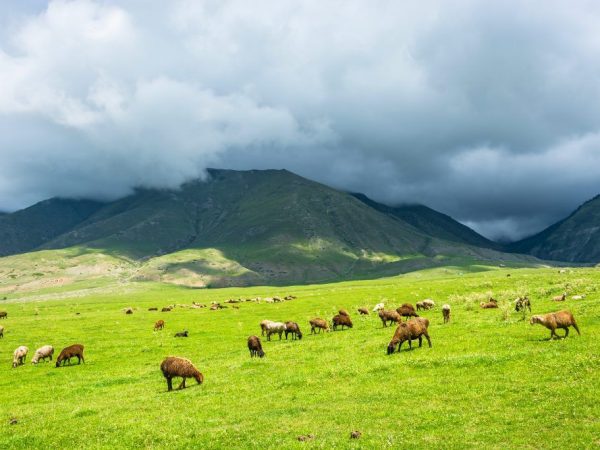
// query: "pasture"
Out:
[490,381]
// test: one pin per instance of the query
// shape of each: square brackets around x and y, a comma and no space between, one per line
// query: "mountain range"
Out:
[267,227]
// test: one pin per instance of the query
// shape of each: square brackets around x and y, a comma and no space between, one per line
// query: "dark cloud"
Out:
[487,111]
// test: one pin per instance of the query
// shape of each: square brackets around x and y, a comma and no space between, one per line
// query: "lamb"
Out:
[159,325]
[560,298]
[174,366]
[294,329]
[363,311]
[389,316]
[1,332]
[3,314]
[75,350]
[488,305]
[275,328]
[42,353]
[552,321]
[341,320]
[578,297]
[446,312]
[255,347]
[183,333]
[378,306]
[407,310]
[320,324]
[408,331]
[19,356]
[522,304]
[343,312]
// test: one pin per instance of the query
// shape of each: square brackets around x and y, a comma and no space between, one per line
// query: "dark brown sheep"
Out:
[343,312]
[159,325]
[363,311]
[294,329]
[165,309]
[173,366]
[552,321]
[522,304]
[446,313]
[3,314]
[407,310]
[409,331]
[341,320]
[128,311]
[183,333]
[489,305]
[320,324]
[389,316]
[152,309]
[72,351]
[255,347]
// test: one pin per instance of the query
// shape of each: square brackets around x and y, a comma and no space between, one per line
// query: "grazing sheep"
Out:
[560,298]
[183,333]
[255,347]
[578,297]
[407,310]
[128,310]
[152,309]
[363,311]
[408,331]
[19,356]
[343,312]
[446,313]
[425,304]
[275,328]
[263,326]
[552,321]
[317,323]
[522,304]
[378,306]
[1,332]
[75,350]
[341,320]
[488,305]
[42,353]
[165,309]
[294,329]
[174,366]
[159,325]
[389,316]
[3,314]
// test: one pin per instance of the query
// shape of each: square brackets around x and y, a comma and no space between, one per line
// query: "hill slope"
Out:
[574,239]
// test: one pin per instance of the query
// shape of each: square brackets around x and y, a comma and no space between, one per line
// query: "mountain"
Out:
[574,239]
[239,228]
[432,223]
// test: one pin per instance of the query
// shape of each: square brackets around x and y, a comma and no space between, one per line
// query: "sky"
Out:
[488,111]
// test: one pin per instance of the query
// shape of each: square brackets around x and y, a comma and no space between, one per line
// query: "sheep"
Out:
[560,298]
[1,332]
[275,328]
[320,324]
[389,316]
[174,366]
[446,313]
[343,312]
[152,309]
[578,297]
[378,306]
[263,326]
[183,333]
[407,310]
[420,306]
[488,305]
[552,321]
[341,320]
[408,331]
[42,353]
[255,347]
[159,325]
[75,350]
[165,309]
[425,304]
[19,356]
[522,304]
[363,311]
[3,314]
[128,310]
[294,329]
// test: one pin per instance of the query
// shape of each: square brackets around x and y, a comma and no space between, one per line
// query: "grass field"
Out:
[490,381]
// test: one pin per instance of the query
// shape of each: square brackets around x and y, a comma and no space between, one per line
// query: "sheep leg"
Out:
[400,346]
[420,341]
[428,338]
[566,331]
[182,385]
[410,343]
[169,383]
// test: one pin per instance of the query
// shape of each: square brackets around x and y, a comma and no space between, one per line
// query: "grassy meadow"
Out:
[490,381]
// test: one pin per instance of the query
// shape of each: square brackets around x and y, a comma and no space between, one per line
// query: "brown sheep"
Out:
[409,331]
[128,311]
[152,309]
[320,324]
[1,332]
[389,316]
[294,329]
[255,347]
[75,350]
[173,366]
[552,321]
[165,309]
[407,310]
[159,325]
[363,311]
[488,305]
[560,298]
[341,320]
[3,314]
[343,312]
[446,313]
[183,333]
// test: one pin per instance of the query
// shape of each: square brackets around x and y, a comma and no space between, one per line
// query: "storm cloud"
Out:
[487,111]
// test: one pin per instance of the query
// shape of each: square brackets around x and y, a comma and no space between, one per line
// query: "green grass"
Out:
[486,383]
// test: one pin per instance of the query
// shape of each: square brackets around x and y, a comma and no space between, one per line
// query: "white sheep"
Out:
[578,297]
[429,303]
[42,353]
[275,327]
[378,307]
[446,313]
[19,356]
